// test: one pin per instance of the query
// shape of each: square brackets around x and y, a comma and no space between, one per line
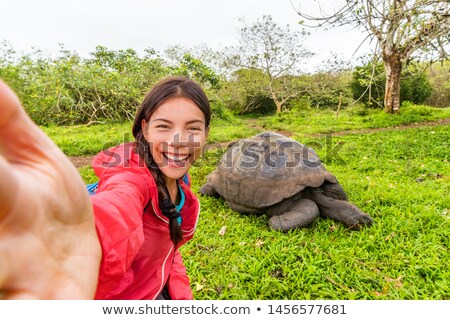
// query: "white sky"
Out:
[81,25]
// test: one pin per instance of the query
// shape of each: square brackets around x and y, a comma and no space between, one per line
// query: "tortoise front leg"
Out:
[209,190]
[300,215]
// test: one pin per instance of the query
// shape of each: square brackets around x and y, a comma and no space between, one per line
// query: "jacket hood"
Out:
[119,158]
[123,158]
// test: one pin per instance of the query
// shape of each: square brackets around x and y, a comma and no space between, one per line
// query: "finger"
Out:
[21,141]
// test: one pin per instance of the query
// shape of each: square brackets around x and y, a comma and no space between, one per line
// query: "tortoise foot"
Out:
[301,215]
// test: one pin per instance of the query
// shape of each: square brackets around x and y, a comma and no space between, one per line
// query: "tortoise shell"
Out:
[265,169]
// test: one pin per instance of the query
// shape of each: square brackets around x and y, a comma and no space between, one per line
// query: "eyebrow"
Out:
[188,122]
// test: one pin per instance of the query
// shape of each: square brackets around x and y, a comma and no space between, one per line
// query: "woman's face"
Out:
[176,134]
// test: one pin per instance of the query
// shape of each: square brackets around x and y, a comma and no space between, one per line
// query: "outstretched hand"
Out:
[48,243]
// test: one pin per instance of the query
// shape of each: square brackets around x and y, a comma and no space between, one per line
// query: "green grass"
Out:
[321,121]
[89,140]
[400,177]
[229,130]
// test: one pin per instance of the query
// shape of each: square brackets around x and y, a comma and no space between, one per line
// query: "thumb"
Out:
[10,106]
[10,109]
[8,188]
[21,140]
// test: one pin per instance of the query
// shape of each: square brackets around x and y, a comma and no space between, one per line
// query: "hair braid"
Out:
[166,205]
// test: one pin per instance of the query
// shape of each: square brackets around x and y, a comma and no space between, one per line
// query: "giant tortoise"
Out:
[270,173]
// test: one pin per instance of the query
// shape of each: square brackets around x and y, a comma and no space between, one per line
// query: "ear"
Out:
[144,126]
[207,132]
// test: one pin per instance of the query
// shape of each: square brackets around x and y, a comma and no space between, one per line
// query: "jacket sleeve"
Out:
[178,282]
[118,207]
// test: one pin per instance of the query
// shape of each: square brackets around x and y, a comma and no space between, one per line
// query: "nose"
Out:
[179,139]
[183,138]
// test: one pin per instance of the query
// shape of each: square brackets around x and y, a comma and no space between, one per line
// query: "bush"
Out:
[328,89]
[69,90]
[368,85]
[244,95]
[218,110]
[439,77]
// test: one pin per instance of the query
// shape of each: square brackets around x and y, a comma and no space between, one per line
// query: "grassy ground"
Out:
[306,122]
[400,177]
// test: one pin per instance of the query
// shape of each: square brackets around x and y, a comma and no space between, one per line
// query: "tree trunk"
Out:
[279,105]
[393,68]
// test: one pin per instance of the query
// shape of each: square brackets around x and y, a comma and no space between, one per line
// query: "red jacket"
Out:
[138,256]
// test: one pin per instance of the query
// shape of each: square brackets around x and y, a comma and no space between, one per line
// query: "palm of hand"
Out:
[48,244]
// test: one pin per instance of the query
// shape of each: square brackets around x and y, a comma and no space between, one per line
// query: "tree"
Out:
[401,28]
[275,51]
[185,64]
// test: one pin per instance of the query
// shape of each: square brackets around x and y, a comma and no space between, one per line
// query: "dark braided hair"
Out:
[168,88]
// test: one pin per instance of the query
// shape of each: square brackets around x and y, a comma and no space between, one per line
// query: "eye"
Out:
[195,128]
[162,126]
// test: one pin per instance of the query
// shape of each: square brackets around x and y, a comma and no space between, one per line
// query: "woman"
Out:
[53,236]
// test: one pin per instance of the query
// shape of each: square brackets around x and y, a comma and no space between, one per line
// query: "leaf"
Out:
[259,243]
[397,282]
[223,230]
[389,237]
[199,287]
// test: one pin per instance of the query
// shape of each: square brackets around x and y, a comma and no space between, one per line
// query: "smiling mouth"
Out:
[176,160]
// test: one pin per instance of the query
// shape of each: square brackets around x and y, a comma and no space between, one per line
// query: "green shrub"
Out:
[368,85]
[439,77]
[328,90]
[69,89]
[219,110]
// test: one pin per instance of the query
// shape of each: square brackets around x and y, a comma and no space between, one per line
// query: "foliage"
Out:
[245,94]
[328,89]
[189,66]
[219,110]
[369,82]
[439,77]
[72,90]
[109,85]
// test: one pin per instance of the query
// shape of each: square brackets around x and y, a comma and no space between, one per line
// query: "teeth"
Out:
[176,158]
